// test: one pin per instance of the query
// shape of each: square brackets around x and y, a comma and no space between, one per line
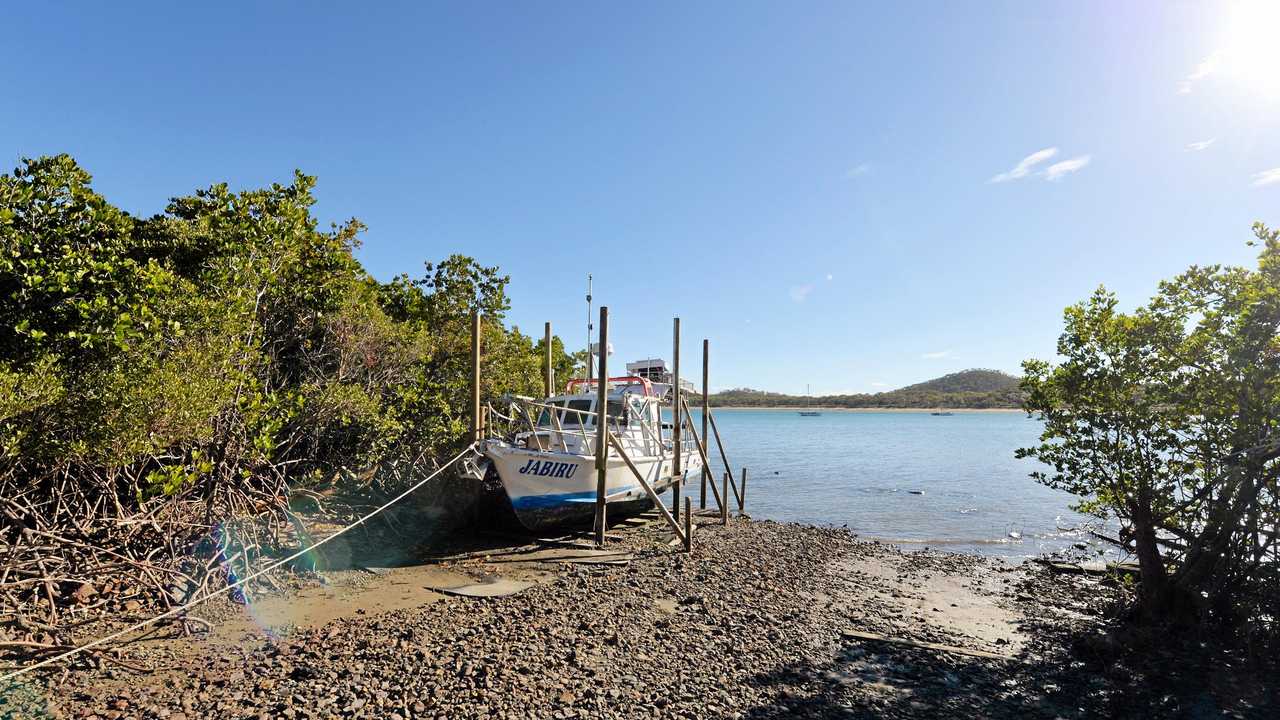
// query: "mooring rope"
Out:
[174,611]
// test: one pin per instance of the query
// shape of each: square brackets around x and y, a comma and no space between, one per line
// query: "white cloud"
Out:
[939,355]
[1267,177]
[1202,71]
[1198,146]
[830,277]
[857,170]
[800,292]
[1058,169]
[1023,168]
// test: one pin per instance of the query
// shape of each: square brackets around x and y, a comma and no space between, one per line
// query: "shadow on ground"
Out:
[1066,676]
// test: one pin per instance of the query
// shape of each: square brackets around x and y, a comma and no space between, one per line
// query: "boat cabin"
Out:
[567,422]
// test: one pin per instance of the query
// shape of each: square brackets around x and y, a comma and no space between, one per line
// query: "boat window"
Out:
[637,410]
[544,420]
[570,418]
[617,414]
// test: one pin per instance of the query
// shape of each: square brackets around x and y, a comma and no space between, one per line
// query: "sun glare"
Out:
[1250,54]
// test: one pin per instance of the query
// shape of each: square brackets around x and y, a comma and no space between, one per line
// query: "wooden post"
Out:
[589,329]
[706,406]
[701,447]
[602,428]
[688,524]
[724,506]
[549,384]
[704,448]
[676,465]
[476,421]
[742,497]
[723,456]
[653,494]
[675,494]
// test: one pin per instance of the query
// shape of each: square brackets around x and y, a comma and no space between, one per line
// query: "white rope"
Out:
[500,415]
[138,626]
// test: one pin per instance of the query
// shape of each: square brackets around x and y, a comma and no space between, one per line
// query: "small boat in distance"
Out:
[943,413]
[808,411]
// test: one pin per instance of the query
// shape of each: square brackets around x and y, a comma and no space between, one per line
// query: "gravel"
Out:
[746,626]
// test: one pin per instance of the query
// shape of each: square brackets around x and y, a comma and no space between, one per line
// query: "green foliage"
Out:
[227,342]
[70,272]
[1166,417]
[563,363]
[966,389]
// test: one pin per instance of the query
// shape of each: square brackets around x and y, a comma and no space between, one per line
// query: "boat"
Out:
[941,412]
[808,411]
[548,468]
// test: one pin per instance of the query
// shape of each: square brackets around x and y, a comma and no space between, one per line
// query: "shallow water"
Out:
[863,470]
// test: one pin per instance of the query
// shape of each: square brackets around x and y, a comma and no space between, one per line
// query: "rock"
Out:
[744,626]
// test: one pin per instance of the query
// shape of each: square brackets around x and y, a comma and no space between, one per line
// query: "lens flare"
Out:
[1250,48]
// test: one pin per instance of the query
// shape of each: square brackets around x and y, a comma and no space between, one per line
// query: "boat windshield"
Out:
[544,420]
[569,418]
[617,413]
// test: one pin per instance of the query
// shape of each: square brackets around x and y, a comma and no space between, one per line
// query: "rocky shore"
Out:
[761,620]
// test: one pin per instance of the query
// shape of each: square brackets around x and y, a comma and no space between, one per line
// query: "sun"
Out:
[1250,51]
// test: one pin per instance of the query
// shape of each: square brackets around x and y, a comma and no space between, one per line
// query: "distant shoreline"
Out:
[801,408]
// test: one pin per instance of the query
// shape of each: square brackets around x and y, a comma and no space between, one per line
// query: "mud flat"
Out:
[761,620]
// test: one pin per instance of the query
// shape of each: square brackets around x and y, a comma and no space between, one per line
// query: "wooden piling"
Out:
[676,467]
[653,494]
[724,506]
[476,421]
[706,406]
[742,493]
[602,428]
[703,445]
[688,525]
[549,379]
[675,497]
[589,329]
[724,457]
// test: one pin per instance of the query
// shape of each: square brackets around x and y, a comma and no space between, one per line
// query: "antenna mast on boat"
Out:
[590,327]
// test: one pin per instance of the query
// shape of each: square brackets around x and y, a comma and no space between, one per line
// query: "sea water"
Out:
[912,478]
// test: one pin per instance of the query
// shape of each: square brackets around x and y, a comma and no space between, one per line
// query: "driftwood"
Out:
[1070,568]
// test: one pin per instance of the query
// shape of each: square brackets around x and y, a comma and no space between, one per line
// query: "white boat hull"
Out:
[548,488]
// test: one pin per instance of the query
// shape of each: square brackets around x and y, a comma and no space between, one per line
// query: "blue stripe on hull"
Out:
[537,512]
[541,502]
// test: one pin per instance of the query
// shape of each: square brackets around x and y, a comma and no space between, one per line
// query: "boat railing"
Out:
[581,416]
[650,442]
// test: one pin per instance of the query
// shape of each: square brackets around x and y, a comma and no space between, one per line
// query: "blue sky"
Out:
[829,191]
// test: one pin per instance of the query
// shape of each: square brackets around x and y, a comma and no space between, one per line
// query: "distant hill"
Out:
[975,388]
[976,380]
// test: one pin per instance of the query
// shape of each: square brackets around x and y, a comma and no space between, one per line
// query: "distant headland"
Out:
[977,389]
